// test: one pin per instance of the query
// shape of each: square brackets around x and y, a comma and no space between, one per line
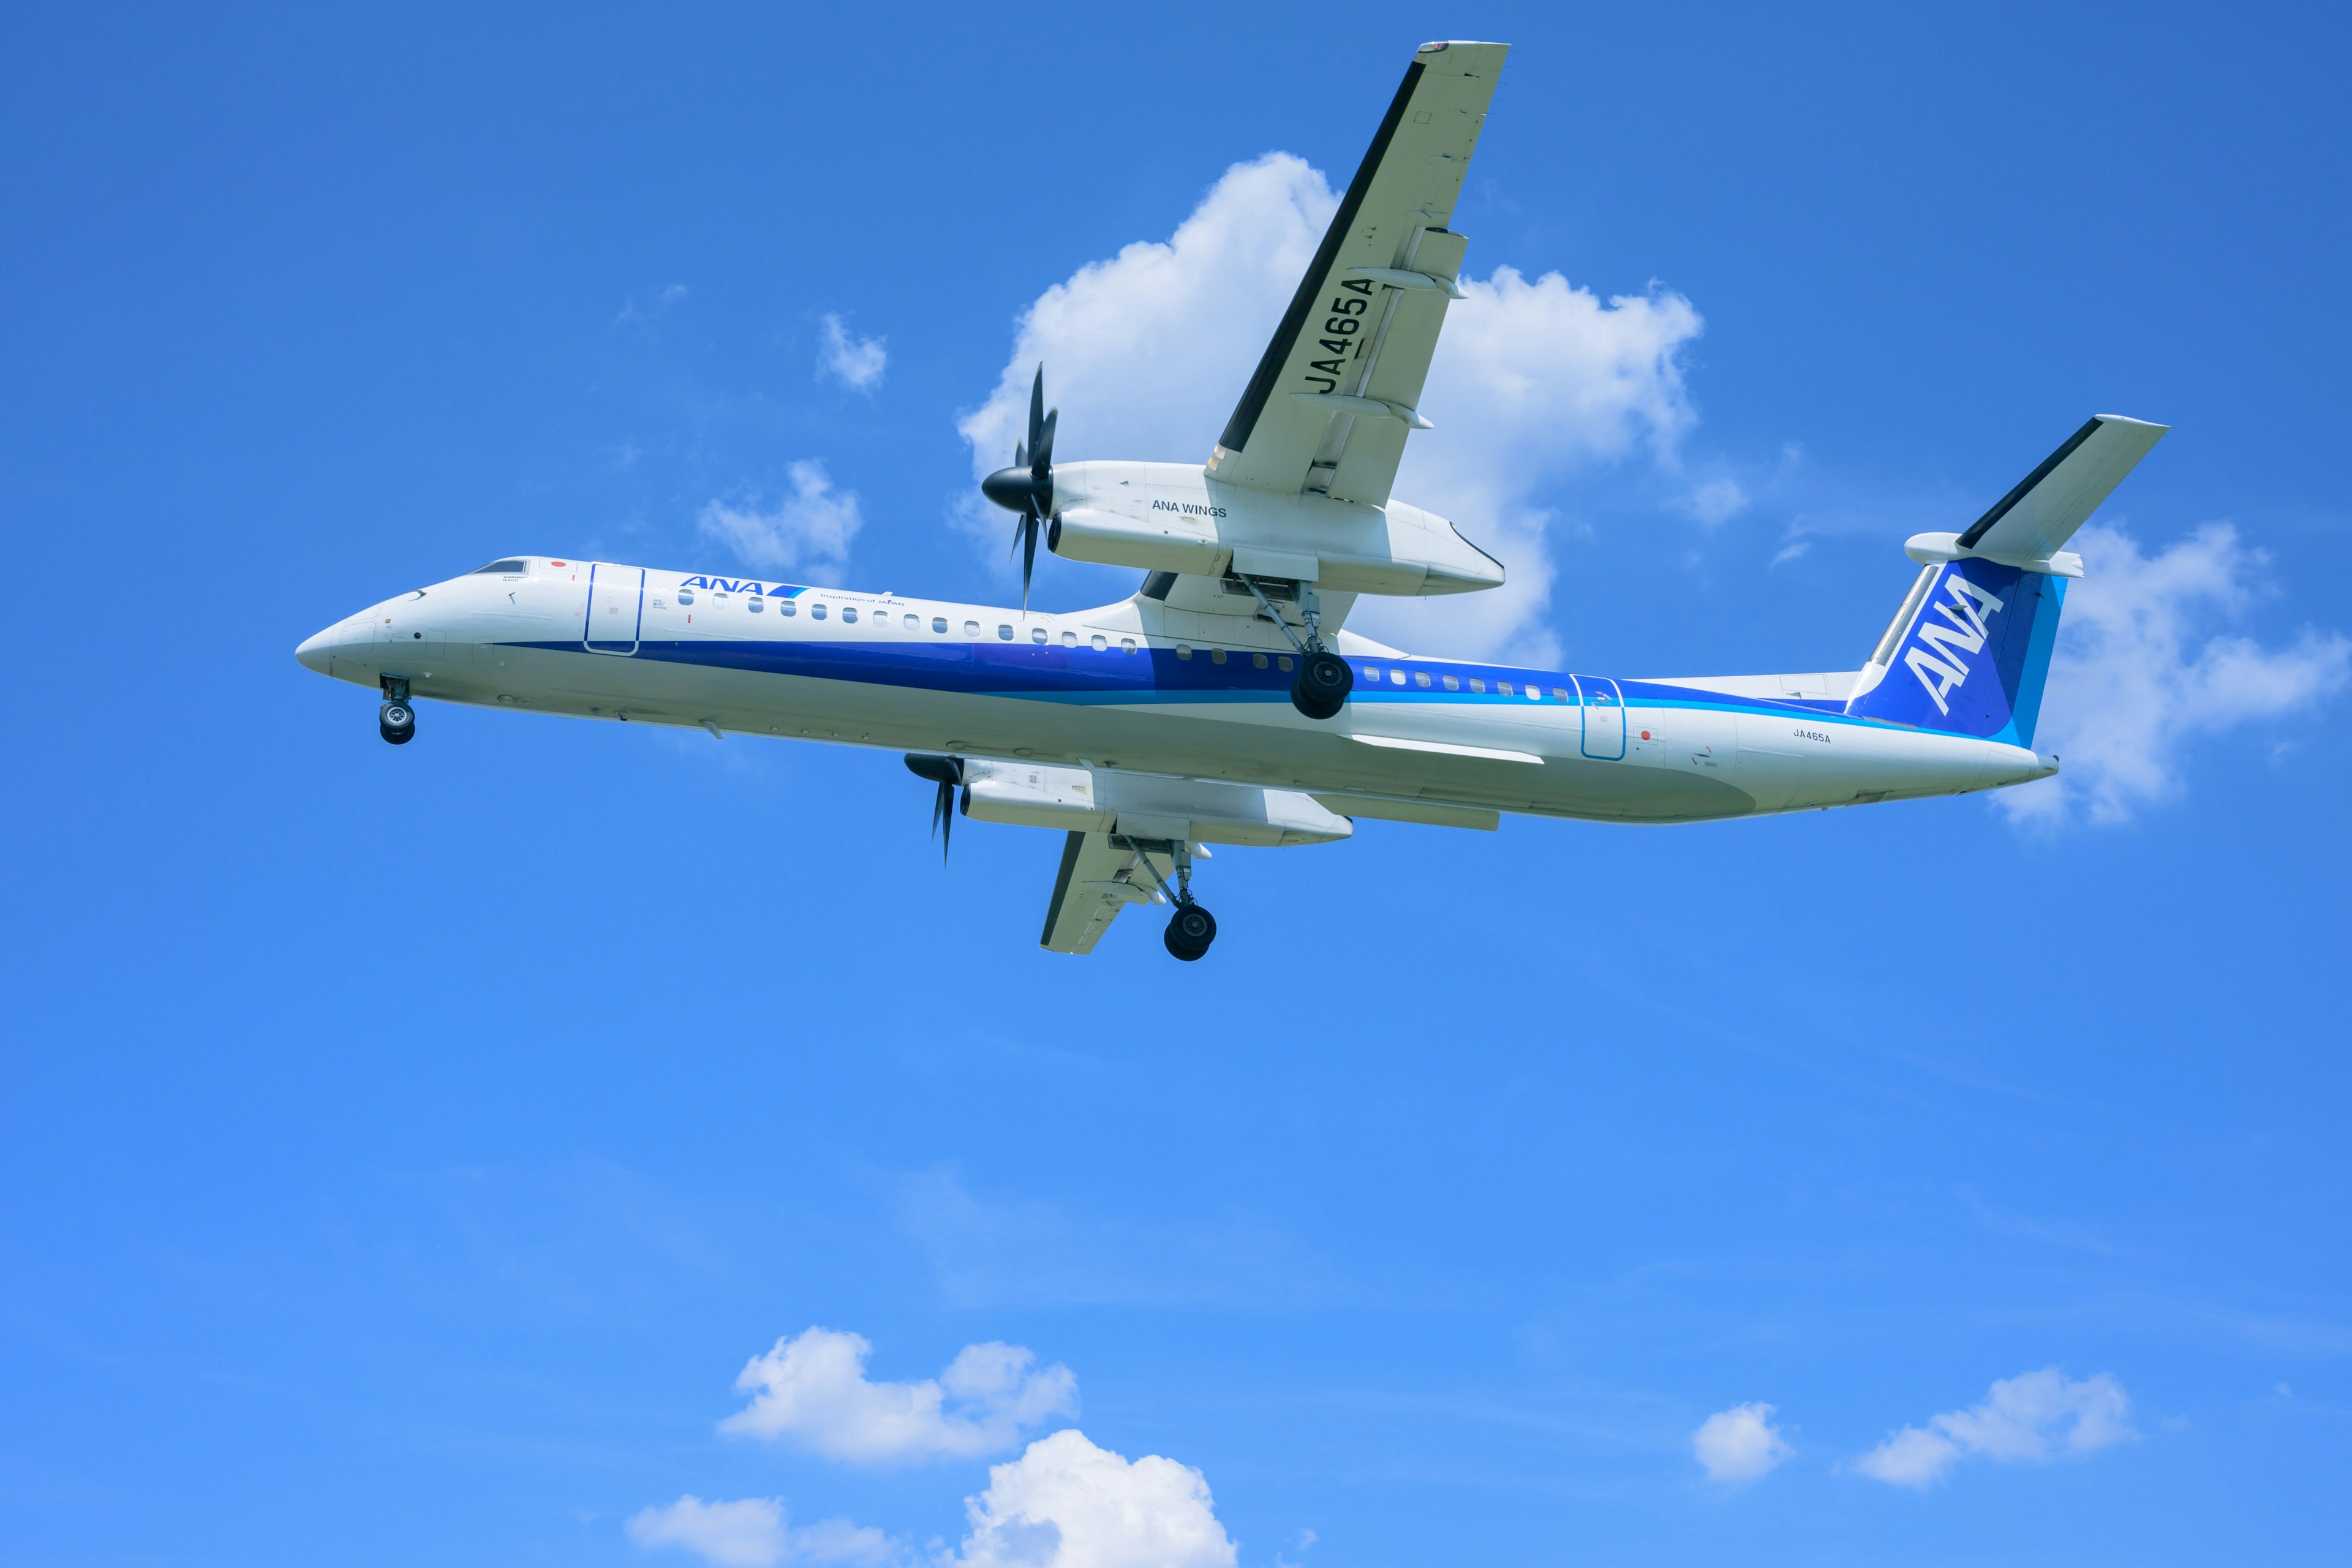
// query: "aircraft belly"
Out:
[1263,742]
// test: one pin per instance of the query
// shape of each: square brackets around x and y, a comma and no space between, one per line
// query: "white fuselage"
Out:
[1141,687]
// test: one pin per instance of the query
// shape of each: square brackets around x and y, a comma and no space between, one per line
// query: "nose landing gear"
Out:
[395,721]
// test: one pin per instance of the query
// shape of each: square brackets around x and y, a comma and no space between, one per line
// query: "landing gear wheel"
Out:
[1190,931]
[1321,686]
[397,722]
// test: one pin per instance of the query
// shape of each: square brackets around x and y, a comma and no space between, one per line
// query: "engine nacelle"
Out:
[1172,517]
[1031,794]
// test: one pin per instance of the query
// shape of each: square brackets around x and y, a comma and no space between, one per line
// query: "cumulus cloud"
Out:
[1067,1503]
[1147,352]
[1740,1445]
[2140,669]
[811,1390]
[857,362]
[808,532]
[2036,1417]
[752,1532]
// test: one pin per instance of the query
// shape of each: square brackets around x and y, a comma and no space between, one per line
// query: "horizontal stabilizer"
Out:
[2030,525]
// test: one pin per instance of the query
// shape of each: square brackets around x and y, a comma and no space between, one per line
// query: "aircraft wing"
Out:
[1097,879]
[1339,386]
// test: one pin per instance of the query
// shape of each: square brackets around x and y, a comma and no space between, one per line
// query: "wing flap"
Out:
[1097,881]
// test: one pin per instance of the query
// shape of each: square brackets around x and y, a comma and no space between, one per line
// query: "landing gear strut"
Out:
[1320,688]
[395,721]
[1191,928]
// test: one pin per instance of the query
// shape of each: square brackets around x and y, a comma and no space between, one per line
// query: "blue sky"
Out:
[406,1151]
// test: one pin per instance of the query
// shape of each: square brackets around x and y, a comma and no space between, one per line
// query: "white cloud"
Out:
[2037,1416]
[1147,352]
[812,1390]
[2139,672]
[1717,501]
[1067,1503]
[809,532]
[752,1533]
[1739,1444]
[858,363]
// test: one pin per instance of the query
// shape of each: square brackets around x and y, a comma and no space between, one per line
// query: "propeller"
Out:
[948,774]
[1027,486]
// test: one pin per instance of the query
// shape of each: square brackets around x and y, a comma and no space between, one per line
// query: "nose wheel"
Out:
[396,721]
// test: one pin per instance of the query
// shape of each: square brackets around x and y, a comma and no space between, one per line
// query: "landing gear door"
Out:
[1604,717]
[616,609]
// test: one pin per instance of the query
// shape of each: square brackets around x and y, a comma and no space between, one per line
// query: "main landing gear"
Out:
[1320,688]
[1191,928]
[395,721]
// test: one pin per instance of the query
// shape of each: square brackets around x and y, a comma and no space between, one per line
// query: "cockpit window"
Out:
[500,566]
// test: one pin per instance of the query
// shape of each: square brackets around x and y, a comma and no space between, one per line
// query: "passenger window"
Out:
[1003,633]
[1069,639]
[849,614]
[1257,660]
[1184,650]
[1504,687]
[1126,644]
[940,623]
[972,628]
[1421,678]
[1396,677]
[1286,661]
[1557,695]
[1216,656]
[1102,643]
[759,604]
[1476,684]
[1371,672]
[1452,684]
[1037,636]
[786,607]
[816,612]
[913,623]
[686,595]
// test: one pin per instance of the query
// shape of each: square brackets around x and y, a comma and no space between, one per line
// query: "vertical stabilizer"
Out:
[1969,653]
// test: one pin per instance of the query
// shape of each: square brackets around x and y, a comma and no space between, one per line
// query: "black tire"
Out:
[397,722]
[1190,931]
[1320,688]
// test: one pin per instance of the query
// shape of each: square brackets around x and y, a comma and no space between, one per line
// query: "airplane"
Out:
[1225,702]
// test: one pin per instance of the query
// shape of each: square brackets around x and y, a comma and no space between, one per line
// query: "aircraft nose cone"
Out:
[315,651]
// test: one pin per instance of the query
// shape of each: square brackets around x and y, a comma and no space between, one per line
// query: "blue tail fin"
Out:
[1968,653]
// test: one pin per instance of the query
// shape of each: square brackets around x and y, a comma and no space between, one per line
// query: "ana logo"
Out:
[1937,657]
[748,585]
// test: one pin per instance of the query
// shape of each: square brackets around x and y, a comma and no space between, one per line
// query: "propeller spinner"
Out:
[1027,486]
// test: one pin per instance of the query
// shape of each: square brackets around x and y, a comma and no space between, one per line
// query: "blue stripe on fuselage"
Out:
[1086,675]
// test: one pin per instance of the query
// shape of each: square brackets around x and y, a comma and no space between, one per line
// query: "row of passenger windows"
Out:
[880,620]
[1534,693]
[1217,655]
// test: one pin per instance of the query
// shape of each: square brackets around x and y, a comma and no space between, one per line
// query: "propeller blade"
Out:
[1028,556]
[1037,406]
[948,771]
[943,816]
[1041,461]
[1020,454]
